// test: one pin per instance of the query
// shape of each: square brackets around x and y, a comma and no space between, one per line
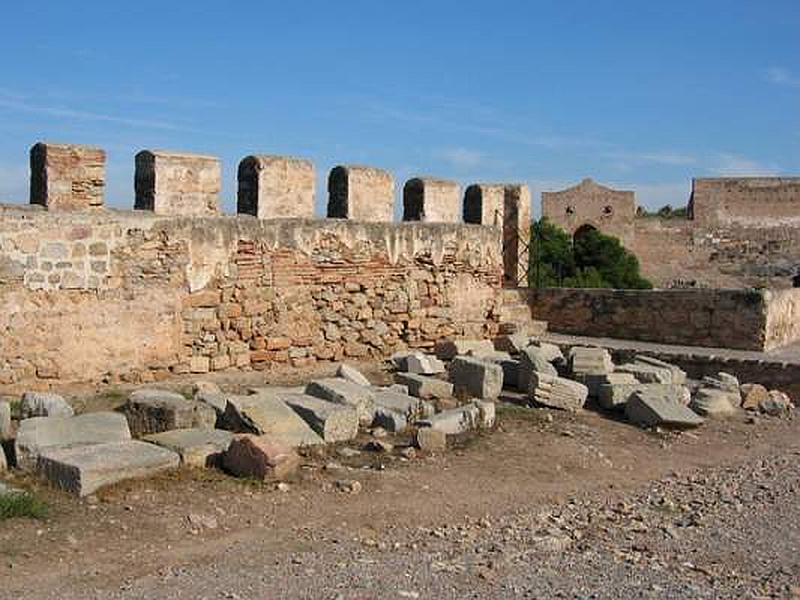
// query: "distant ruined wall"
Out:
[745,231]
[739,319]
[128,294]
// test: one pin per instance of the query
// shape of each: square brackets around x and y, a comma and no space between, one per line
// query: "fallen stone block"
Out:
[450,349]
[409,406]
[513,343]
[714,402]
[487,413]
[532,360]
[422,386]
[776,404]
[266,413]
[752,395]
[196,447]
[510,368]
[678,374]
[44,404]
[3,460]
[585,360]
[454,421]
[208,392]
[38,434]
[646,373]
[389,419]
[82,470]
[332,422]
[550,352]
[649,409]
[153,411]
[476,378]
[259,457]
[6,432]
[417,362]
[557,392]
[347,393]
[724,382]
[613,396]
[431,440]
[352,375]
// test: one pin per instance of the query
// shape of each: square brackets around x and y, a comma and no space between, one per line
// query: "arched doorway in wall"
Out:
[583,230]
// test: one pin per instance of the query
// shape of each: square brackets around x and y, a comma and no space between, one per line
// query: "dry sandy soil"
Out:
[549,505]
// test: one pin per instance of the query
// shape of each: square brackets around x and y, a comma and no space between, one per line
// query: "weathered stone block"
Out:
[714,402]
[589,361]
[410,407]
[615,395]
[431,200]
[557,392]
[417,362]
[360,194]
[173,183]
[650,409]
[532,360]
[449,349]
[352,375]
[37,434]
[6,431]
[476,378]
[483,204]
[152,411]
[341,391]
[454,421]
[67,176]
[82,470]
[425,387]
[260,457]
[752,395]
[273,187]
[487,413]
[44,404]
[196,447]
[431,440]
[332,422]
[389,419]
[267,413]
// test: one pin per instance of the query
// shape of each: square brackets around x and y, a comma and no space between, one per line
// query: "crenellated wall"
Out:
[128,294]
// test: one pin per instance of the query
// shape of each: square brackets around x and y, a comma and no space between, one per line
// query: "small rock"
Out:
[431,440]
[350,486]
[259,457]
[379,446]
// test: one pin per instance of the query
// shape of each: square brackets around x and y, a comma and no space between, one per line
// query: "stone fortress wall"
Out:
[91,293]
[740,232]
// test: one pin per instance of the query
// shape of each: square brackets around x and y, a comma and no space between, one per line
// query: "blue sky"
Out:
[643,95]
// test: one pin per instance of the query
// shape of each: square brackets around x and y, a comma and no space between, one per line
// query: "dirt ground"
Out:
[509,513]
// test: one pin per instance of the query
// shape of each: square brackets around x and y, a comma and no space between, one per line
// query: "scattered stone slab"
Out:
[589,360]
[259,457]
[153,411]
[678,374]
[422,386]
[776,404]
[352,375]
[614,396]
[450,349]
[513,343]
[649,409]
[82,470]
[476,378]
[332,422]
[418,362]
[557,392]
[532,360]
[714,402]
[431,440]
[454,421]
[267,413]
[752,395]
[44,404]
[6,432]
[38,434]
[344,392]
[208,392]
[409,406]
[550,352]
[389,419]
[196,447]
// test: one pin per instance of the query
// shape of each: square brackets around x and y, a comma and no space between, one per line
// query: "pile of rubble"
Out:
[258,434]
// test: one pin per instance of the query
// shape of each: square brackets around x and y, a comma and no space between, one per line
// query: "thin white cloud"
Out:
[733,164]
[781,76]
[461,158]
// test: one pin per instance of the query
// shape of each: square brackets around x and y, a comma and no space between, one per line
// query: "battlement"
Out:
[745,200]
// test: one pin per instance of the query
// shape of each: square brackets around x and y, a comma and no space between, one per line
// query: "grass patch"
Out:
[21,505]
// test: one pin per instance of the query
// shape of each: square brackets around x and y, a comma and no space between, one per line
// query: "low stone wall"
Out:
[739,319]
[107,294]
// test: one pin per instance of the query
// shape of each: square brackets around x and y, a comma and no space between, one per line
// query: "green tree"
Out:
[591,260]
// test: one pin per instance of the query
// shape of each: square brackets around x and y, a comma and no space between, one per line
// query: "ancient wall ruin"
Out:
[745,232]
[739,319]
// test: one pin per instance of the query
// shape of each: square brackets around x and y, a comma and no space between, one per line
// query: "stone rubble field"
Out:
[262,434]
